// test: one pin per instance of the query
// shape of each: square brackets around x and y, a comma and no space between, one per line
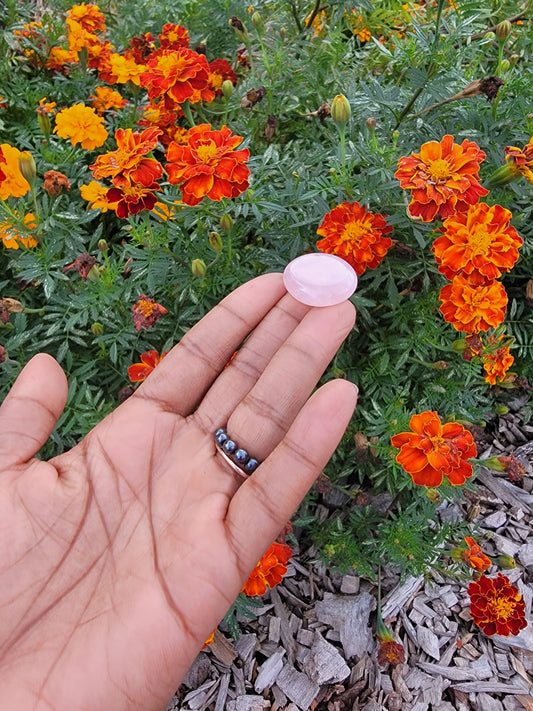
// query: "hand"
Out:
[118,558]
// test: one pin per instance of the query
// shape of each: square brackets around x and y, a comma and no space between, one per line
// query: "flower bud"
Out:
[494,463]
[505,65]
[12,306]
[226,222]
[529,290]
[97,328]
[503,30]
[240,30]
[340,110]
[489,36]
[27,166]
[257,21]
[198,268]
[227,88]
[456,554]
[44,123]
[94,273]
[433,495]
[501,410]
[514,59]
[459,345]
[505,561]
[102,245]
[371,123]
[439,365]
[215,241]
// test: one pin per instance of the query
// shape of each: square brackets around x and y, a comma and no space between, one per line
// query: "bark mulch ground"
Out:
[312,645]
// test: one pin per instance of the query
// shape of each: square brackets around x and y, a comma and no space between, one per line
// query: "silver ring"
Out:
[237,457]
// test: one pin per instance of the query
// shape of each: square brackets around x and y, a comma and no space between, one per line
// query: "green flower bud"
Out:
[257,21]
[227,88]
[198,268]
[505,65]
[94,273]
[459,346]
[505,561]
[514,59]
[27,166]
[340,110]
[501,410]
[226,222]
[215,241]
[97,328]
[44,123]
[371,123]
[503,30]
[102,245]
[489,36]
[240,30]
[433,495]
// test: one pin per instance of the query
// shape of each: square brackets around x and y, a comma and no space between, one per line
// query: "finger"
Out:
[180,381]
[268,498]
[234,383]
[31,409]
[261,420]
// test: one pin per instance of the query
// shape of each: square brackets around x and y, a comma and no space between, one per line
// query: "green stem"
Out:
[187,111]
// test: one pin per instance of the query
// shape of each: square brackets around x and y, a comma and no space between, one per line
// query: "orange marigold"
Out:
[173,36]
[474,556]
[58,58]
[208,166]
[79,38]
[471,308]
[149,361]
[480,243]
[81,125]
[269,570]
[14,235]
[146,312]
[496,361]
[129,164]
[105,98]
[521,160]
[88,16]
[96,196]
[443,178]
[496,606]
[176,75]
[13,183]
[129,199]
[390,652]
[432,451]
[356,235]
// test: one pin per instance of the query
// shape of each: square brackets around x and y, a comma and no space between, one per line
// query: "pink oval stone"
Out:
[319,279]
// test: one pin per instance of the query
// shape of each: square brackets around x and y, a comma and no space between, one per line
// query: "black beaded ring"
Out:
[237,457]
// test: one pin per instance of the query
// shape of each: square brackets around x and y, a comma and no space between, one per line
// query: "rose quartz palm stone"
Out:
[319,279]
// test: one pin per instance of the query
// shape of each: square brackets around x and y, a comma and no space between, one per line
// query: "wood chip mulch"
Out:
[312,645]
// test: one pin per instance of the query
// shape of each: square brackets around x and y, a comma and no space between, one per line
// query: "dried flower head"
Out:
[146,311]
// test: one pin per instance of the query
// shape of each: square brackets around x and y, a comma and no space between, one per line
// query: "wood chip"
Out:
[285,631]
[525,554]
[506,491]
[248,703]
[220,704]
[428,641]
[398,598]
[274,629]
[484,702]
[325,664]
[494,520]
[297,686]
[350,584]
[269,671]
[489,687]
[223,648]
[480,669]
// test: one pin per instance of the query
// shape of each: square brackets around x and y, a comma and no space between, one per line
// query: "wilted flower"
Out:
[443,178]
[81,125]
[356,235]
[496,606]
[432,451]
[473,308]
[149,360]
[474,556]
[55,182]
[269,571]
[82,264]
[146,312]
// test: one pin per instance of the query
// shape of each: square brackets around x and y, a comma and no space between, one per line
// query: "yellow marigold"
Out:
[105,98]
[124,69]
[88,16]
[80,124]
[14,235]
[79,38]
[14,184]
[165,212]
[96,196]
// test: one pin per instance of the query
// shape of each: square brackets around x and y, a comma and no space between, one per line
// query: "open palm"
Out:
[118,558]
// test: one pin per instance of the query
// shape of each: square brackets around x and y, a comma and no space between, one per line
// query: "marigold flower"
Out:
[88,16]
[81,125]
[46,107]
[175,75]
[79,38]
[443,178]
[356,235]
[13,183]
[471,308]
[14,235]
[209,640]
[58,58]
[474,556]
[146,312]
[164,211]
[520,161]
[432,451]
[105,98]
[173,37]
[390,652]
[96,195]
[219,71]
[149,360]
[269,571]
[54,182]
[128,164]
[496,606]
[208,166]
[129,199]
[480,243]
[123,69]
[496,363]
[82,264]
[142,47]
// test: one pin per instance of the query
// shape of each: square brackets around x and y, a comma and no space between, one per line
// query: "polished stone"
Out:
[319,279]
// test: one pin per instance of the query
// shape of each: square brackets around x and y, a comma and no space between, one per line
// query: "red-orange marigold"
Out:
[149,361]
[146,311]
[390,652]
[128,164]
[471,308]
[208,165]
[269,570]
[474,556]
[496,363]
[443,178]
[496,606]
[356,235]
[176,75]
[131,199]
[480,243]
[432,451]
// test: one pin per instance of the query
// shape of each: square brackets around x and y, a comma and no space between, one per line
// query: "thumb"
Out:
[31,409]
